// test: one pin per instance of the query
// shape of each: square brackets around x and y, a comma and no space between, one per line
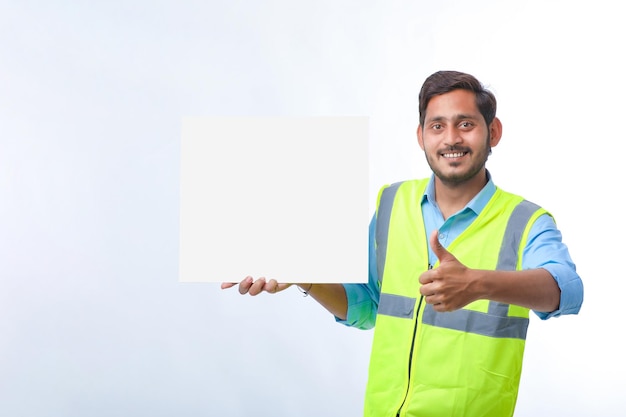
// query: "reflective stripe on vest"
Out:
[494,323]
[383,216]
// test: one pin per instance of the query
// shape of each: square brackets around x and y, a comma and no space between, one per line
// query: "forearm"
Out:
[331,296]
[535,289]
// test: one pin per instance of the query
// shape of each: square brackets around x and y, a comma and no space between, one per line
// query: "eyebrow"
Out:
[454,118]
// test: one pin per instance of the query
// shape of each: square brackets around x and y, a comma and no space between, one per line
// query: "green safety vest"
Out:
[462,363]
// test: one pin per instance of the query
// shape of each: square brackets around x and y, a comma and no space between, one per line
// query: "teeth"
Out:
[453,155]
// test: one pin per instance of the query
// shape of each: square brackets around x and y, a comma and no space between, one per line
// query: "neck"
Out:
[453,196]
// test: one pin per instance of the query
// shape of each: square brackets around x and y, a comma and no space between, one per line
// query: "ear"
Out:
[420,139]
[495,129]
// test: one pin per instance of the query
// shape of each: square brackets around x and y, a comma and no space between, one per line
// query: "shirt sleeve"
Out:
[363,298]
[545,249]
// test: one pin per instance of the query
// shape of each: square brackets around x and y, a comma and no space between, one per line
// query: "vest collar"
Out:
[476,204]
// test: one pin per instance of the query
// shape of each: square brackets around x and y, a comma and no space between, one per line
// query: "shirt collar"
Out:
[476,204]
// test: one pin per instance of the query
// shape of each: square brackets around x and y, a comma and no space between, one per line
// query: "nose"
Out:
[452,137]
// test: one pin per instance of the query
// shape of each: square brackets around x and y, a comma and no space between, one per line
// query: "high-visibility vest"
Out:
[462,363]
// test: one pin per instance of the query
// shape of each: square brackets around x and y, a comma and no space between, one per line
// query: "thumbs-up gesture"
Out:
[451,285]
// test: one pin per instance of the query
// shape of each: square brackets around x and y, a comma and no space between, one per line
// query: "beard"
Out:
[460,177]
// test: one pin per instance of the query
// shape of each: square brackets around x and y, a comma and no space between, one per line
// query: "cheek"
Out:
[429,146]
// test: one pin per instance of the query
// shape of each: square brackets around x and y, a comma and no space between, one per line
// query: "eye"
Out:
[466,125]
[437,126]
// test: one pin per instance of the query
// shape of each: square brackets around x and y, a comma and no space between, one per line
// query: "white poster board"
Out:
[284,198]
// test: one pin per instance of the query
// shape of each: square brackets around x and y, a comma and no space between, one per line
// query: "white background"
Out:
[93,320]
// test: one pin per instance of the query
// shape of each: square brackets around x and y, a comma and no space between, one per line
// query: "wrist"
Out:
[305,288]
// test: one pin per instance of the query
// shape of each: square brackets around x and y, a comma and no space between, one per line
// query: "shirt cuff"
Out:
[361,307]
[571,287]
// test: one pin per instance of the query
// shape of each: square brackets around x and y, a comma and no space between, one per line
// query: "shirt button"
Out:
[442,236]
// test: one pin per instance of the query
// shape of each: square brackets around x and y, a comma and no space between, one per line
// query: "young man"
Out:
[456,264]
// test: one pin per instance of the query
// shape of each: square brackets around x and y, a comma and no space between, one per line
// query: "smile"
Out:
[453,155]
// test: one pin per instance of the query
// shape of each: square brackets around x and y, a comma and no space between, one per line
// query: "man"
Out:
[456,264]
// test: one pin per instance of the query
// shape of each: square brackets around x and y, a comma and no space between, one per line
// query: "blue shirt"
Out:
[544,249]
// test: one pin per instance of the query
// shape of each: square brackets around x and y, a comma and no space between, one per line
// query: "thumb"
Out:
[440,252]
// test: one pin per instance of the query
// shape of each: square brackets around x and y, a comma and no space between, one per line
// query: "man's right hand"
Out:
[252,287]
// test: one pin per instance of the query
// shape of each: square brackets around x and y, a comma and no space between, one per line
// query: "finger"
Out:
[257,286]
[226,285]
[426,277]
[244,286]
[271,286]
[439,307]
[430,289]
[274,286]
[437,301]
[431,299]
[440,252]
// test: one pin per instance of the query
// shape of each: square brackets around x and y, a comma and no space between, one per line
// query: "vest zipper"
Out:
[408,386]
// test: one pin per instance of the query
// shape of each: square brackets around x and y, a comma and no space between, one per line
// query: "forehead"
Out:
[452,104]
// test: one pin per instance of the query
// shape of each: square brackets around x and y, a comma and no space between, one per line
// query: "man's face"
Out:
[455,138]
